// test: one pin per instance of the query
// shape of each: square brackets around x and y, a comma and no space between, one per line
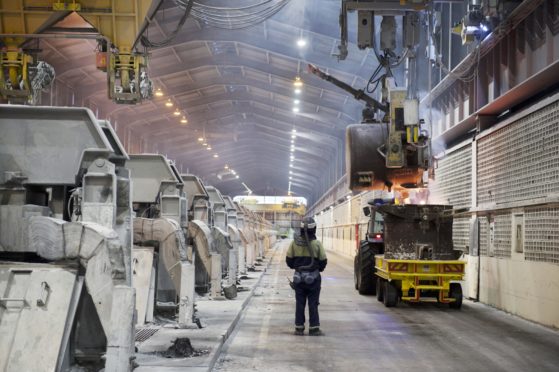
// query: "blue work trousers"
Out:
[310,292]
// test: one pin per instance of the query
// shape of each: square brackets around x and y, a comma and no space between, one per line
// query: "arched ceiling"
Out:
[236,89]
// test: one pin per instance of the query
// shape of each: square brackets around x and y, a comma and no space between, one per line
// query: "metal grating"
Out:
[143,334]
[503,235]
[520,161]
[541,235]
[461,233]
[453,183]
[483,236]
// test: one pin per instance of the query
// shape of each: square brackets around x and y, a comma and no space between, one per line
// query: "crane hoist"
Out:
[116,25]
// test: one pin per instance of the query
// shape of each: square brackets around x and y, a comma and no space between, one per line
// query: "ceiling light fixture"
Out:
[293,137]
[236,176]
[200,139]
[301,42]
[295,109]
[216,156]
[177,112]
[209,148]
[296,101]
[297,91]
[293,131]
[159,92]
[226,166]
[298,83]
[169,103]
[184,121]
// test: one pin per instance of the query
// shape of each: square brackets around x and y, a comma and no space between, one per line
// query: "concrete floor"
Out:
[363,335]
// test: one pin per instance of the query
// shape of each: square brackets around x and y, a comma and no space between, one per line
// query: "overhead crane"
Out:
[116,25]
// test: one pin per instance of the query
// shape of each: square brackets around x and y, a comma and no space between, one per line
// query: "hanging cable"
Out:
[158,44]
[235,17]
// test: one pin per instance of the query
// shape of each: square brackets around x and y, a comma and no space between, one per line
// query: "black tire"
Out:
[366,268]
[455,292]
[390,295]
[380,294]
[355,271]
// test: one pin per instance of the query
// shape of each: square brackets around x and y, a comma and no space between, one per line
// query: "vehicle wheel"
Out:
[455,292]
[366,269]
[355,271]
[390,295]
[380,289]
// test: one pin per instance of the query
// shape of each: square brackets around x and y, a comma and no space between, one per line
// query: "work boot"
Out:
[299,331]
[315,332]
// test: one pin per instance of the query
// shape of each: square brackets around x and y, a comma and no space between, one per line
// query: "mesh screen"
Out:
[503,231]
[483,236]
[453,179]
[519,162]
[541,235]
[461,233]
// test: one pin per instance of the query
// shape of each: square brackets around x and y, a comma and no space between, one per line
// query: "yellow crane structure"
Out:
[116,25]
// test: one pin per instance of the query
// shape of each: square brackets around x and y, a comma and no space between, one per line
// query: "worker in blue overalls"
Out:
[307,257]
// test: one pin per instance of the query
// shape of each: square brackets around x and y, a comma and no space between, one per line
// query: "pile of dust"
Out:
[182,348]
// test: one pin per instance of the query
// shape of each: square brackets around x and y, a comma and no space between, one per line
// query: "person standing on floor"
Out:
[307,257]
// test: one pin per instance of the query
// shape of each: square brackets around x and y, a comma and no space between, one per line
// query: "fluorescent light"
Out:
[297,91]
[291,165]
[293,137]
[301,42]
[236,176]
[216,156]
[292,141]
[296,101]
[290,172]
[292,158]
[293,131]
[290,177]
[295,109]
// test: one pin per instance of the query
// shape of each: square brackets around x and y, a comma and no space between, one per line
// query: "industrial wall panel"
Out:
[503,235]
[521,160]
[453,184]
[541,235]
[483,235]
[461,233]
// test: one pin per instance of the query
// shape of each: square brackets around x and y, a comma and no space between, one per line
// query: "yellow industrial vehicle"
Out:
[408,255]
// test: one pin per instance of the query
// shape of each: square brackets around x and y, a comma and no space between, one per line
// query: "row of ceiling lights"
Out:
[297,90]
[208,147]
[291,159]
[169,103]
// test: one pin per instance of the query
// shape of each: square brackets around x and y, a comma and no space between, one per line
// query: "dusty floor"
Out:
[363,335]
